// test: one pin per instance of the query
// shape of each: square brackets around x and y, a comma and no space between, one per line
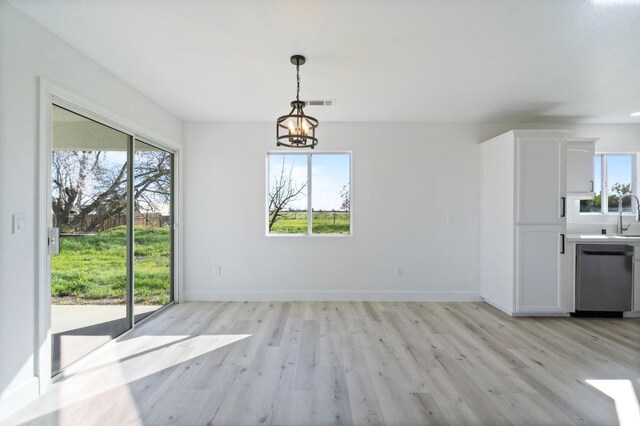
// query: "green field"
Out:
[92,268]
[323,223]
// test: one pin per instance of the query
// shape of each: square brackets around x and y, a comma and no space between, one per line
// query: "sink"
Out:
[627,236]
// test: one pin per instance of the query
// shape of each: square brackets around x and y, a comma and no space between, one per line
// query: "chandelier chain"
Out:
[298,77]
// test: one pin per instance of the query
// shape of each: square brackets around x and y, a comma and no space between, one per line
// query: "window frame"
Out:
[309,155]
[604,181]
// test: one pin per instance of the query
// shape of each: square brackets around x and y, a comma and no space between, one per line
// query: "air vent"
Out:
[320,102]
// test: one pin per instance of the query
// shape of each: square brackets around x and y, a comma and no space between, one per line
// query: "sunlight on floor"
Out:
[136,358]
[624,396]
[114,373]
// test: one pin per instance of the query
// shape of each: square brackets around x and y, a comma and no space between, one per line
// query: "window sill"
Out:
[310,235]
[624,214]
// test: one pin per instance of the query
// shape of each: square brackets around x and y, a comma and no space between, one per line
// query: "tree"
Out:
[282,193]
[152,180]
[88,189]
[618,190]
[346,198]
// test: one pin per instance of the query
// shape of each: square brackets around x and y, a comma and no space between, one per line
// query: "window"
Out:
[615,175]
[309,193]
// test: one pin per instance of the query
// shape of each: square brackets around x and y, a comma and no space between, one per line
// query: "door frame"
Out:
[50,93]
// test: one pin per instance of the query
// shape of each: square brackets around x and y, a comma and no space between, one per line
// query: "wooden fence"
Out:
[140,219]
[318,215]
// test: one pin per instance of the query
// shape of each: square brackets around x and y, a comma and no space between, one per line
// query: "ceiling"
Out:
[429,61]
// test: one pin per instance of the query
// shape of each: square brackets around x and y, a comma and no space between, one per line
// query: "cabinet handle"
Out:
[562,245]
[592,188]
[564,206]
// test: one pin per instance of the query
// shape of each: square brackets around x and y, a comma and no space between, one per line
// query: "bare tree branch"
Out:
[88,189]
[282,193]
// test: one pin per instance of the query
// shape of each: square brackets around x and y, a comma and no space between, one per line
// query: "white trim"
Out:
[43,294]
[50,93]
[336,295]
[310,195]
[325,235]
[540,314]
[19,397]
[498,307]
[604,184]
[105,116]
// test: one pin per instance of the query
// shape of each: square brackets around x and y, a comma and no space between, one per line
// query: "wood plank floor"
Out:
[359,363]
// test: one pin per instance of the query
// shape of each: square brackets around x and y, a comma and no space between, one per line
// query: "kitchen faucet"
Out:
[621,228]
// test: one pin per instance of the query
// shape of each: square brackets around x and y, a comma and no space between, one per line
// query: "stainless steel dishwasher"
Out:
[604,278]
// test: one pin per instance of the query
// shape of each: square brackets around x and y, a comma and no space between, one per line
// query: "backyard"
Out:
[323,223]
[91,269]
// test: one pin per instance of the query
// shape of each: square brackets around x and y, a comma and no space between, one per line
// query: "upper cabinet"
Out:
[540,177]
[580,172]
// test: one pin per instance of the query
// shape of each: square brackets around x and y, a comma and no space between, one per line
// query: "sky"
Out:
[330,172]
[619,169]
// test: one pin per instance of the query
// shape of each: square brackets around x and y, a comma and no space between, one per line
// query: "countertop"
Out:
[608,238]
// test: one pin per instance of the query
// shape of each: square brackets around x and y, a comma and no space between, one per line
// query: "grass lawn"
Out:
[323,223]
[92,268]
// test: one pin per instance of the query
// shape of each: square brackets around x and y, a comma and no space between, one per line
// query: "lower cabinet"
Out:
[539,269]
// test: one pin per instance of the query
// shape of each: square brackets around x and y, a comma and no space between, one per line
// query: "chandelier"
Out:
[296,129]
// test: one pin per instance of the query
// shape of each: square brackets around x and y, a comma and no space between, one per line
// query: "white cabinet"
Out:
[523,221]
[580,170]
[539,269]
[540,177]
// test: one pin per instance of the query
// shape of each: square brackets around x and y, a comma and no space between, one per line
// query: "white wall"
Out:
[407,178]
[27,51]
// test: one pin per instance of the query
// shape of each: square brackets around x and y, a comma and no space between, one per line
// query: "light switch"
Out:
[19,223]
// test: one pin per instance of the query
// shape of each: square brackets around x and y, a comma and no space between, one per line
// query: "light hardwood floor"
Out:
[350,363]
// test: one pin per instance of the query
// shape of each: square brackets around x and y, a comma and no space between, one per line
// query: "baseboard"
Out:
[495,305]
[11,402]
[541,314]
[334,296]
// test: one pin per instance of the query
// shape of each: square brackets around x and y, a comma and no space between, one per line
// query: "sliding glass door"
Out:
[111,206]
[89,286]
[153,235]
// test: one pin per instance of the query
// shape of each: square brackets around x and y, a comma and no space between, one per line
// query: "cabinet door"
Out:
[539,272]
[540,181]
[580,180]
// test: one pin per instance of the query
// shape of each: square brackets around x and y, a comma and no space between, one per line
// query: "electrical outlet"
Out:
[451,219]
[217,270]
[399,271]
